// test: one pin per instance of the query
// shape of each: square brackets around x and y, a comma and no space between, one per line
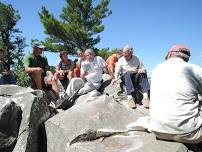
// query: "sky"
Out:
[151,27]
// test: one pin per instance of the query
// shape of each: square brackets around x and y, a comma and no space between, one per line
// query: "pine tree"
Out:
[12,43]
[79,25]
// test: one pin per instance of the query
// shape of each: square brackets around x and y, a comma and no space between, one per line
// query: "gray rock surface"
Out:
[139,142]
[95,123]
[99,124]
[34,112]
[10,118]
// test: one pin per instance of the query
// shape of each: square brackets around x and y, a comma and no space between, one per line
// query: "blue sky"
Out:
[150,26]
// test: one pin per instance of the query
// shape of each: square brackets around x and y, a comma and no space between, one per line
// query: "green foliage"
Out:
[21,76]
[105,53]
[8,40]
[79,24]
[12,43]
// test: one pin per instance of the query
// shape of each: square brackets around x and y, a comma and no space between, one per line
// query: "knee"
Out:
[128,75]
[142,75]
[36,74]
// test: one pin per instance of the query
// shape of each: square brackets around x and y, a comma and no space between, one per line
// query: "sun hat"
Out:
[38,45]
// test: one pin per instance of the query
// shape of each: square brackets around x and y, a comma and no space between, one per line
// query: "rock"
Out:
[113,90]
[10,118]
[142,142]
[95,123]
[11,90]
[35,112]
[98,123]
[92,95]
[100,113]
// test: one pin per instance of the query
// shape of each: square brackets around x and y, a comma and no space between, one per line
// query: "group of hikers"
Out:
[173,98]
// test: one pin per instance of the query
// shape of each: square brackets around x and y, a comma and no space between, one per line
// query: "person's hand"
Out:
[5,72]
[62,73]
[114,81]
[83,75]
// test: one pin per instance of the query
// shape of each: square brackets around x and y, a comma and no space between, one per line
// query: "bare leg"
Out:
[54,85]
[36,75]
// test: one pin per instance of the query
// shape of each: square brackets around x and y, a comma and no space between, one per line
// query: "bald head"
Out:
[89,54]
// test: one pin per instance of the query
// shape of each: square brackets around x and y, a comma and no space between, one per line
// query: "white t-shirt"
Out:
[174,103]
[94,69]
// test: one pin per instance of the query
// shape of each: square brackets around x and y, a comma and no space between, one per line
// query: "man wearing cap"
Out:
[174,102]
[132,72]
[6,76]
[37,67]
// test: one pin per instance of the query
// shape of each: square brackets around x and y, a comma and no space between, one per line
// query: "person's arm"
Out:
[197,70]
[118,68]
[57,68]
[83,71]
[29,69]
[70,71]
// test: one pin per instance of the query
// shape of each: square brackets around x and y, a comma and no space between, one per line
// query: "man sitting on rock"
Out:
[37,67]
[132,72]
[174,107]
[91,74]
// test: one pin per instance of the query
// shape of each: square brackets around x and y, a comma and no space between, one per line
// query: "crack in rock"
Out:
[90,135]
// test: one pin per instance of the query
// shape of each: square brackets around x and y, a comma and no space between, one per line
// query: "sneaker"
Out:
[145,102]
[131,103]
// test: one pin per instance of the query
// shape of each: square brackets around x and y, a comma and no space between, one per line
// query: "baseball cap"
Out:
[181,48]
[38,45]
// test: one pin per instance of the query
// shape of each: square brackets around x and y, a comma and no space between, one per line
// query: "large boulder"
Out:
[98,123]
[10,119]
[34,112]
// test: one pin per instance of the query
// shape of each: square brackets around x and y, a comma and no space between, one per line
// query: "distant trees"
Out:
[11,41]
[79,25]
[105,52]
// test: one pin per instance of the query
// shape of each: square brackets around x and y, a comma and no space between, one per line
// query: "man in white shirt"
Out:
[132,72]
[174,103]
[91,75]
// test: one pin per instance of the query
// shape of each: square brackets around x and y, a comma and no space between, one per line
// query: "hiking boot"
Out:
[145,102]
[61,102]
[131,103]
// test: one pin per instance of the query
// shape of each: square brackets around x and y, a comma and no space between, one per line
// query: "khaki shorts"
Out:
[192,137]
